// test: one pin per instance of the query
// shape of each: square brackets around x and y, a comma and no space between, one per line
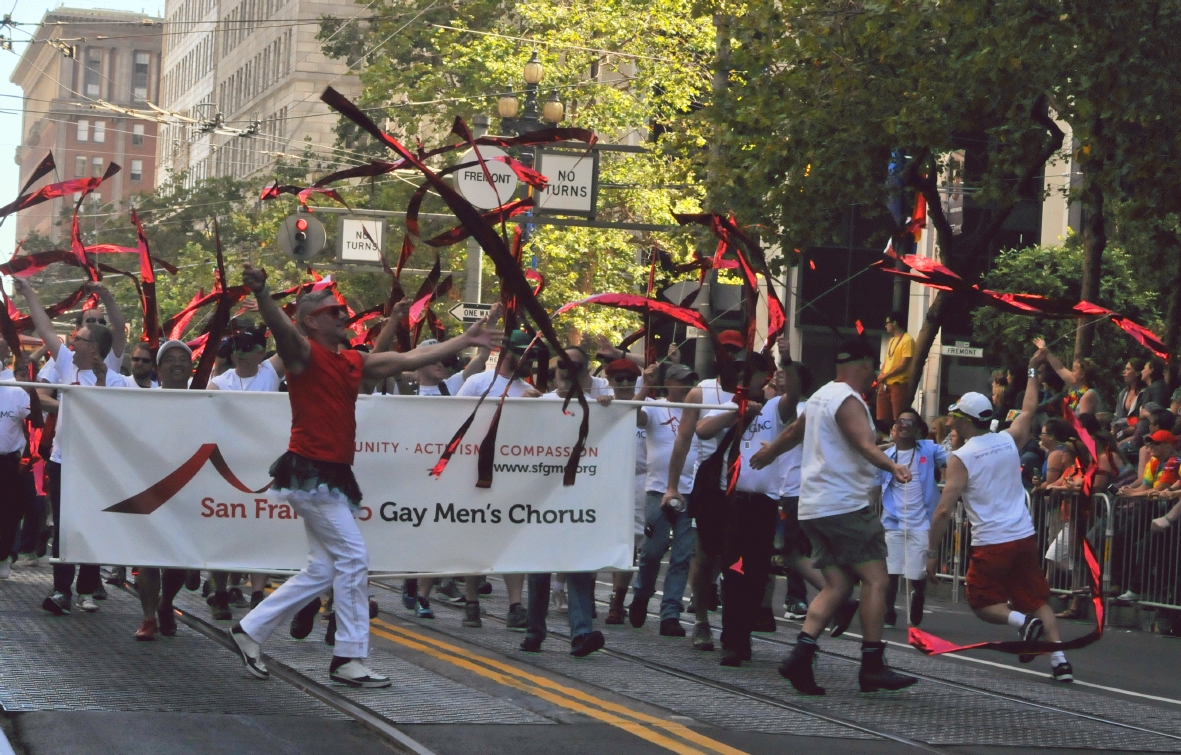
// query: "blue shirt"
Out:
[896,514]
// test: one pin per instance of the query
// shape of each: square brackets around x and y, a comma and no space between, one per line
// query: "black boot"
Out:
[875,674]
[797,667]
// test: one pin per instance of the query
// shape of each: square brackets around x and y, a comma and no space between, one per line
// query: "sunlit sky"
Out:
[26,14]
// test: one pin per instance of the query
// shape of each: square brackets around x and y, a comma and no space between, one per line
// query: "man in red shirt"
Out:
[315,474]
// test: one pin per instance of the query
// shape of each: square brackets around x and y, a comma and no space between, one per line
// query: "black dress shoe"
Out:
[671,628]
[531,645]
[305,619]
[637,612]
[585,644]
[731,658]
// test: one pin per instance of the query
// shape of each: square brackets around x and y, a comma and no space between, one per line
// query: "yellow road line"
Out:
[541,686]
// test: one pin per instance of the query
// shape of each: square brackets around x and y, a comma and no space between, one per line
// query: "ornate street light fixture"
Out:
[553,110]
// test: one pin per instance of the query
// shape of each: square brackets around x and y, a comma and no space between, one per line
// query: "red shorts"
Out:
[1007,573]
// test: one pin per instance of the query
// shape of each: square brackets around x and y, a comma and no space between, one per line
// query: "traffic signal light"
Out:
[302,236]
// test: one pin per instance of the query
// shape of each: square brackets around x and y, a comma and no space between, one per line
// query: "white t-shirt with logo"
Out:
[453,383]
[478,383]
[711,395]
[660,433]
[834,477]
[994,498]
[266,379]
[14,407]
[599,387]
[762,429]
[791,461]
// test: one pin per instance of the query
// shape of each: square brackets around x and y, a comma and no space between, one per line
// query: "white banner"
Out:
[187,449]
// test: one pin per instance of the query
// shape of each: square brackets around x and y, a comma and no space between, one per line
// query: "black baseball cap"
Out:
[855,350]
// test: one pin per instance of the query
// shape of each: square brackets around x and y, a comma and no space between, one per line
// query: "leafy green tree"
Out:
[1057,272]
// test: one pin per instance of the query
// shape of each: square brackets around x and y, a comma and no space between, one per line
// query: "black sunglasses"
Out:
[624,378]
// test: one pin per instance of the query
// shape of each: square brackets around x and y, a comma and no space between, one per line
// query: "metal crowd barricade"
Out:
[1063,519]
[1144,562]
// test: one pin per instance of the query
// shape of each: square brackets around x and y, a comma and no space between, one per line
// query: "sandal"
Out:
[1070,613]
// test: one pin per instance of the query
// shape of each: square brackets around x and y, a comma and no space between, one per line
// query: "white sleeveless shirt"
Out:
[994,498]
[834,478]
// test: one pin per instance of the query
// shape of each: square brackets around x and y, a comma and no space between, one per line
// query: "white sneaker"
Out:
[356,674]
[558,600]
[87,604]
[1129,597]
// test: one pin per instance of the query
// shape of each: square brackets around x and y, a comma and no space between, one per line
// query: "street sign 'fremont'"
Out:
[471,182]
[469,312]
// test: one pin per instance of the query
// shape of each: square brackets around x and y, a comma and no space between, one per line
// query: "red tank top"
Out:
[323,405]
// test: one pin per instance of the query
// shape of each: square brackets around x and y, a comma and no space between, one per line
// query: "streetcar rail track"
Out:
[731,689]
[367,717]
[969,688]
[836,720]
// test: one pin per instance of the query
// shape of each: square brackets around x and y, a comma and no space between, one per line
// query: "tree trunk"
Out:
[1094,241]
[936,314]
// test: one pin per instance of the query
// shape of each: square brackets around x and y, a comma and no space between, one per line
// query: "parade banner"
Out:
[166,478]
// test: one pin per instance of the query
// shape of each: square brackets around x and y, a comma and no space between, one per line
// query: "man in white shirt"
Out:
[158,587]
[704,568]
[85,365]
[512,364]
[748,514]
[1005,568]
[437,379]
[665,526]
[142,366]
[253,371]
[14,408]
[509,365]
[848,543]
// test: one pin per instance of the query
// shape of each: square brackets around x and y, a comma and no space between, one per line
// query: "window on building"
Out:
[96,167]
[80,166]
[100,132]
[139,75]
[137,170]
[83,130]
[94,65]
[137,134]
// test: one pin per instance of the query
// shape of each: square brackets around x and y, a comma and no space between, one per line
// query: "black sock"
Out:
[872,648]
[337,662]
[806,642]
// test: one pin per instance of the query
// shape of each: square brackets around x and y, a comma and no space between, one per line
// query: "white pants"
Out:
[337,558]
[906,553]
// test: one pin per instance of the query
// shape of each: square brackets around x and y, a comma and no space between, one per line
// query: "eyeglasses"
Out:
[336,310]
[141,360]
[904,422]
[93,320]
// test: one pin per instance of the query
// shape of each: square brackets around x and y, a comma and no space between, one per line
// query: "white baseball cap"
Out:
[173,344]
[973,405]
